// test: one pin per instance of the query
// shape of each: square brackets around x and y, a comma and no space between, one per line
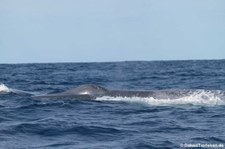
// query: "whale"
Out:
[91,91]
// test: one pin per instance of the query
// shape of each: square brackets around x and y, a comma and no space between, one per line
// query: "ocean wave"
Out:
[197,97]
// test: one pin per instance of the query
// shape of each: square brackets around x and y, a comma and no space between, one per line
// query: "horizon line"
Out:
[119,61]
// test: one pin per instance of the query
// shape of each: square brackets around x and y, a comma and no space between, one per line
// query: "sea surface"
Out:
[113,122]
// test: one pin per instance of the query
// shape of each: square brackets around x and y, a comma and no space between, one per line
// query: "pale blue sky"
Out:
[111,30]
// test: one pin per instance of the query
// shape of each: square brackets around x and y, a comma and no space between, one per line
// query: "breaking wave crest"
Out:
[197,97]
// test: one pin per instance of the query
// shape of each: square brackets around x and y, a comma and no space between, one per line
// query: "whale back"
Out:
[87,90]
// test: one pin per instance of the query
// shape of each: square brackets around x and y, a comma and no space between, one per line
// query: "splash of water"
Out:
[198,97]
[4,88]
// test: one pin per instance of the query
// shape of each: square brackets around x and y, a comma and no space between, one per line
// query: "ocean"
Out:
[196,120]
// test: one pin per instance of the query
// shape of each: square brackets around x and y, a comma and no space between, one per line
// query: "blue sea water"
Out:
[116,122]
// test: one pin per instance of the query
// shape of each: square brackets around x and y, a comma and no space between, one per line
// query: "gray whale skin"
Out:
[91,91]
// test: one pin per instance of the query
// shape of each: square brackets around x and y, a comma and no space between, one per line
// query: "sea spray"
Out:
[4,88]
[197,97]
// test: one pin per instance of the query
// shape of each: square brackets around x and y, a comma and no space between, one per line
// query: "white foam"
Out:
[199,97]
[4,88]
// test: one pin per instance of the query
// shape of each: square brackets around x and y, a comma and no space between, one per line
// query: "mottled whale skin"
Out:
[91,91]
